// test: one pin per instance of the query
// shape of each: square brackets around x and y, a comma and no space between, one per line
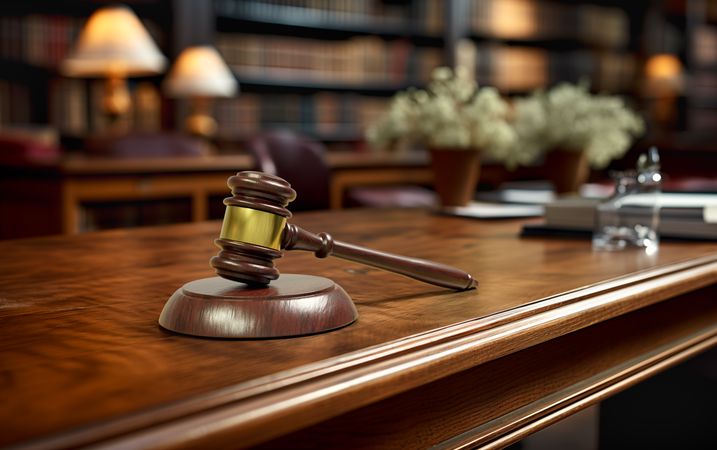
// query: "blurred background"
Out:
[137,116]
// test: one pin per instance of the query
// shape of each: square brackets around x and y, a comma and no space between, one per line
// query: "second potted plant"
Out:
[575,129]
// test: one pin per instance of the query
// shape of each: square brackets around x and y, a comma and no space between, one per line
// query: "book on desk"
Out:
[682,216]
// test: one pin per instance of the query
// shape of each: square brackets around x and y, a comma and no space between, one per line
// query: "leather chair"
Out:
[301,161]
[298,160]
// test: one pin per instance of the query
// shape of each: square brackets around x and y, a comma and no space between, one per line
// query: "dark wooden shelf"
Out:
[277,85]
[701,102]
[704,67]
[153,9]
[548,43]
[325,30]
[22,71]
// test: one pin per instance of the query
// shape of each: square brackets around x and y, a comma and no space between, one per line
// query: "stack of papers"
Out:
[514,200]
[681,215]
[482,210]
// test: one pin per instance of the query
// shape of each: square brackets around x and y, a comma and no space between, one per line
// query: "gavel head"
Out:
[251,234]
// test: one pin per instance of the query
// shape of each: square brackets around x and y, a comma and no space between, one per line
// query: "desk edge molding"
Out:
[271,406]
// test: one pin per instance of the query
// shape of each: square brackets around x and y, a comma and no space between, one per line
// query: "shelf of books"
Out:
[314,55]
[325,69]
[31,48]
[329,116]
[523,45]
[421,20]
[702,89]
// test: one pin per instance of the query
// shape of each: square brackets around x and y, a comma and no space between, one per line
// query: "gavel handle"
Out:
[323,245]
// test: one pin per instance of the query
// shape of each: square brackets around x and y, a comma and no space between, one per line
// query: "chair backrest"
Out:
[297,159]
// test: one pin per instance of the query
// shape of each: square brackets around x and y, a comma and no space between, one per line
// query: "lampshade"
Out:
[200,72]
[114,42]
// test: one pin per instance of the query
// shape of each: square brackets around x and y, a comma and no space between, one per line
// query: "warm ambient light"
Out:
[513,18]
[663,84]
[200,74]
[663,66]
[114,44]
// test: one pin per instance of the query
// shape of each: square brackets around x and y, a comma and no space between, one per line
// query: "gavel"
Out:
[255,231]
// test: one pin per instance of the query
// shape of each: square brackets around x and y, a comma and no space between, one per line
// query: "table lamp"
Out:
[200,74]
[114,44]
[663,85]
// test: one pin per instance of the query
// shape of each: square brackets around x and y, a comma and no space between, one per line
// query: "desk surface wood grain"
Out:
[83,360]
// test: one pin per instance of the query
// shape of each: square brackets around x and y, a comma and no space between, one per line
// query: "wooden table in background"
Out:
[48,199]
[371,169]
[552,329]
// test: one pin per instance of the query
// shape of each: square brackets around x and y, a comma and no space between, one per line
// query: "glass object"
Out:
[630,217]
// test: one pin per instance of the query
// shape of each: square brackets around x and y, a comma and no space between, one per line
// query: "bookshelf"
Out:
[325,69]
[293,52]
[328,59]
[359,51]
[681,110]
[527,44]
[31,47]
[701,64]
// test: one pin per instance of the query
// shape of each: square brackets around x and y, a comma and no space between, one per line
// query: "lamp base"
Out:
[116,101]
[293,305]
[200,121]
[201,125]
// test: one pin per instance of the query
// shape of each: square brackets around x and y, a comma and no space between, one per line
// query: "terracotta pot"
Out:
[455,175]
[567,169]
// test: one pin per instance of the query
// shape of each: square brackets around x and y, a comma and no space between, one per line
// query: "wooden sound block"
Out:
[292,305]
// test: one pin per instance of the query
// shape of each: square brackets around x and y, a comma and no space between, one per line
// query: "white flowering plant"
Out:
[569,117]
[451,113]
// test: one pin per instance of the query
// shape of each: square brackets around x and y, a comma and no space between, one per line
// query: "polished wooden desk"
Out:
[51,197]
[552,328]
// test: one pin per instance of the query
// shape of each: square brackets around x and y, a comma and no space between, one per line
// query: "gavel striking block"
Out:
[251,300]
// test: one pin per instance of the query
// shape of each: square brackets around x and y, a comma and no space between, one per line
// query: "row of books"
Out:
[615,72]
[518,69]
[703,120]
[424,14]
[364,59]
[703,84]
[704,45]
[38,39]
[76,106]
[14,103]
[512,69]
[321,114]
[702,87]
[45,40]
[531,19]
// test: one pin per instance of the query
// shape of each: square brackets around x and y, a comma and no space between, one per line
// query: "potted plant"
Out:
[457,122]
[575,129]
